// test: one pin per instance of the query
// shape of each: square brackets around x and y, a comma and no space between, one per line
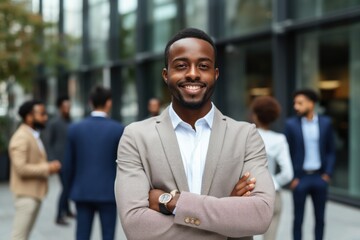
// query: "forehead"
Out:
[302,98]
[191,47]
[39,107]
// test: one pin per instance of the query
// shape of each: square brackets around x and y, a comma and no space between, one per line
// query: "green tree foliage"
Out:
[24,44]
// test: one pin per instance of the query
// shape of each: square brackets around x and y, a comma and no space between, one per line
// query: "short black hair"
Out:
[61,99]
[188,33]
[308,93]
[266,108]
[27,107]
[99,95]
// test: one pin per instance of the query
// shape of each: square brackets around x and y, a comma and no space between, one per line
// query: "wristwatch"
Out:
[164,199]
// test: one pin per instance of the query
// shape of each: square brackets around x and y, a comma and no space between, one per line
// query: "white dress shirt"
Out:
[277,151]
[98,114]
[193,144]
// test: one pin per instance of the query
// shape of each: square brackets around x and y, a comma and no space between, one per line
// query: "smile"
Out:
[192,87]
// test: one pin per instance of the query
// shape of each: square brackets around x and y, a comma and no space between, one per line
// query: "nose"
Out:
[193,73]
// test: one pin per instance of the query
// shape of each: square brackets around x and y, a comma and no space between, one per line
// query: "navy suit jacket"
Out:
[293,133]
[89,165]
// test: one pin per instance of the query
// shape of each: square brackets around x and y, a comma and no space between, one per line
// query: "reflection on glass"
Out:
[99,22]
[197,14]
[162,23]
[316,8]
[244,16]
[249,74]
[127,11]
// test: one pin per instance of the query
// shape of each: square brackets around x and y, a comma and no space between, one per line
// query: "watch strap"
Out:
[164,210]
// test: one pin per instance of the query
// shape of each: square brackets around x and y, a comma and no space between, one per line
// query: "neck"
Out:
[264,127]
[190,116]
[310,115]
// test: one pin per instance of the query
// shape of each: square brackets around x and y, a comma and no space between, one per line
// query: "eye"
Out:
[204,66]
[180,66]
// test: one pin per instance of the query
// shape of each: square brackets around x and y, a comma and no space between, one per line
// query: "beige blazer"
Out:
[149,157]
[29,165]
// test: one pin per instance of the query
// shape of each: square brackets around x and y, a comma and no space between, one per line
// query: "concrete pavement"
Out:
[342,222]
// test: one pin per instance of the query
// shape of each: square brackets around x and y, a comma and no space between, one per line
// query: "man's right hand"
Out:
[244,186]
[54,166]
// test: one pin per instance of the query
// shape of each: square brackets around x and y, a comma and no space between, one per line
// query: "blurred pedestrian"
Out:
[265,110]
[89,166]
[312,149]
[179,175]
[29,168]
[154,106]
[55,142]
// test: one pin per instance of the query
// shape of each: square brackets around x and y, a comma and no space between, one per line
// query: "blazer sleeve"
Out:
[227,216]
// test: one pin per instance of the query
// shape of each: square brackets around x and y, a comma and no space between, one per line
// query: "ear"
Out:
[165,75]
[216,73]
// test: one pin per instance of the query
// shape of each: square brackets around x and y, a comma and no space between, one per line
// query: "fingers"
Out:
[244,186]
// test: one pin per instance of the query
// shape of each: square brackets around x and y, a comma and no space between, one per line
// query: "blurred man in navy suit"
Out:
[312,149]
[89,166]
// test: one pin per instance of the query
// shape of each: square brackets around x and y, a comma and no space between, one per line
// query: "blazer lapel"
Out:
[171,149]
[217,136]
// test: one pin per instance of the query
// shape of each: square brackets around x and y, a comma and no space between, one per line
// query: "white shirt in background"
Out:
[277,151]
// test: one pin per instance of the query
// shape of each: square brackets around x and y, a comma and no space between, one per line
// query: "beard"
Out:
[189,101]
[192,105]
[39,125]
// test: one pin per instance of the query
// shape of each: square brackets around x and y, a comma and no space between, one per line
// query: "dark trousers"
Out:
[85,212]
[316,187]
[63,203]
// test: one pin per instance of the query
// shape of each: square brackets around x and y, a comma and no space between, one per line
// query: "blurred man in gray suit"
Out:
[55,142]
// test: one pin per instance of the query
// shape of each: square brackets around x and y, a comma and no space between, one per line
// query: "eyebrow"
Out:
[186,59]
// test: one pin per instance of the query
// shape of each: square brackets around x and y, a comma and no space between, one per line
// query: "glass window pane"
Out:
[197,14]
[99,31]
[162,23]
[247,76]
[73,31]
[244,16]
[129,100]
[127,11]
[315,8]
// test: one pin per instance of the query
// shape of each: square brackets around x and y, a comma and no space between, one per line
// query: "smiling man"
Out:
[185,174]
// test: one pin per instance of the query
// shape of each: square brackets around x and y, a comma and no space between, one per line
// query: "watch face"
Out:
[165,198]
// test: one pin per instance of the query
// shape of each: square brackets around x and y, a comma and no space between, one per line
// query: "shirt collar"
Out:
[34,132]
[314,120]
[98,114]
[176,120]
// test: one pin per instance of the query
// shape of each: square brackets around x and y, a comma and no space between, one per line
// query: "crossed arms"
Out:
[220,215]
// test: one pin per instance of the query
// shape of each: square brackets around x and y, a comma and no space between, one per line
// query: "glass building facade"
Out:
[264,48]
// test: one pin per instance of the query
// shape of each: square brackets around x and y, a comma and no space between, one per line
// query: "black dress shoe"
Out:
[62,222]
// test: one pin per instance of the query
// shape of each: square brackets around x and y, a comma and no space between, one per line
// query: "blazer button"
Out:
[187,220]
[197,222]
[192,220]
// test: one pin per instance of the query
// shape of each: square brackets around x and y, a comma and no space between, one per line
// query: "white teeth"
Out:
[190,87]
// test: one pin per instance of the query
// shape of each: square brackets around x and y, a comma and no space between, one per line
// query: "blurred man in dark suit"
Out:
[89,166]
